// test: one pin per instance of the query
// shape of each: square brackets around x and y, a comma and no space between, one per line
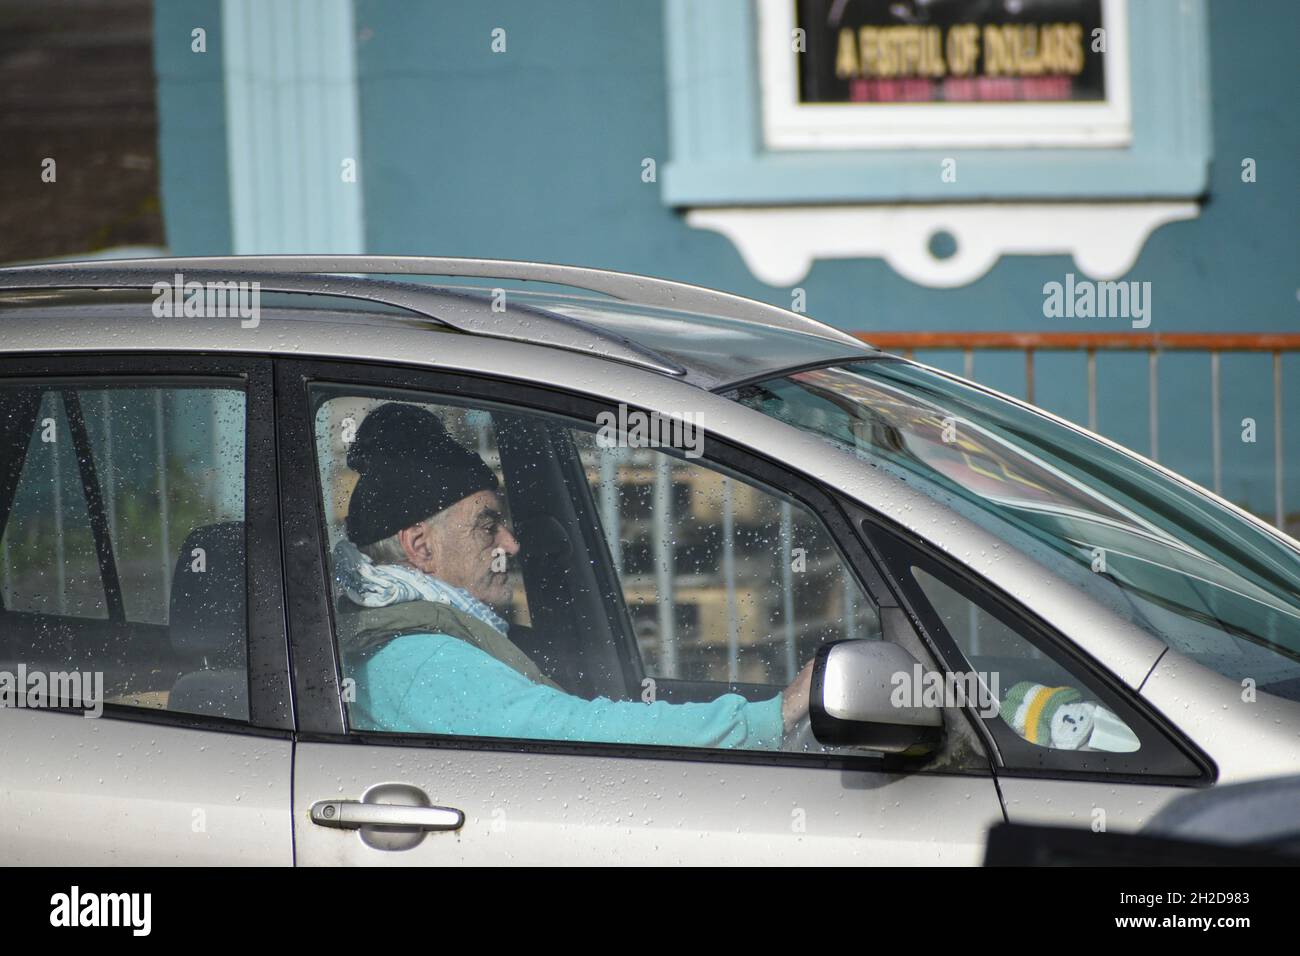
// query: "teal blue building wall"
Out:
[537,152]
[192,127]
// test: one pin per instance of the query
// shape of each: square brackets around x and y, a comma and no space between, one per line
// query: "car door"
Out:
[143,659]
[1073,744]
[644,577]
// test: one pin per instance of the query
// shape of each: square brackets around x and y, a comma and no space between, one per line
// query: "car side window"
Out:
[121,542]
[1044,705]
[495,574]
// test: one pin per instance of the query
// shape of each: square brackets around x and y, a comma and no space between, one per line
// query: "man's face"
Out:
[467,545]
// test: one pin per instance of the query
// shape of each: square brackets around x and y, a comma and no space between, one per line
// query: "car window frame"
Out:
[270,707]
[317,674]
[896,550]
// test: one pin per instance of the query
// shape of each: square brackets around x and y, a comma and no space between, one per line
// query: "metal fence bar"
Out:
[968,363]
[1029,376]
[610,514]
[61,576]
[787,588]
[164,495]
[1153,402]
[109,471]
[1279,512]
[1092,389]
[324,449]
[665,565]
[729,576]
[1216,433]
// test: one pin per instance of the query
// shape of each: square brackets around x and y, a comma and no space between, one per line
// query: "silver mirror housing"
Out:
[853,699]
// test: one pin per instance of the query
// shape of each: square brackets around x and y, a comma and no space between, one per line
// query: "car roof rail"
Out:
[626,286]
[443,306]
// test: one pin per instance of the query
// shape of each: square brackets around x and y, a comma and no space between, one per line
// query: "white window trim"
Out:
[787,124]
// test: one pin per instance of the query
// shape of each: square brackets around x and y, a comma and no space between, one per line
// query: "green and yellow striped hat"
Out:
[1029,708]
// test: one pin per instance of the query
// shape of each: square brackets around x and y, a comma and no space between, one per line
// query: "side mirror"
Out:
[856,699]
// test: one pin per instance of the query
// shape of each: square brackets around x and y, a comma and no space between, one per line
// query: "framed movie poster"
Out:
[900,74]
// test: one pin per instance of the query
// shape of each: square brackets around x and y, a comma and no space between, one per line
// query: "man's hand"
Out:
[794,699]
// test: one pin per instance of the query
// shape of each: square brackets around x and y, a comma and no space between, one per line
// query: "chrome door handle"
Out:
[353,814]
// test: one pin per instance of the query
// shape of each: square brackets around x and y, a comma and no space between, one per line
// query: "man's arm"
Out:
[433,683]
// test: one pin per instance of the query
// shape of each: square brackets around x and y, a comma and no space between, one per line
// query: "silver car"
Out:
[1007,617]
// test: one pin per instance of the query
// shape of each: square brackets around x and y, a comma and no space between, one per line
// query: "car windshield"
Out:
[1194,573]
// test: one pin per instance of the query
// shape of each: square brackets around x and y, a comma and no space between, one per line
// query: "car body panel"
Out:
[1249,735]
[525,808]
[1093,804]
[110,792]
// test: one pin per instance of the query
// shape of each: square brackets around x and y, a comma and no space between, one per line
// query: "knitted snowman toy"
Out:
[1055,717]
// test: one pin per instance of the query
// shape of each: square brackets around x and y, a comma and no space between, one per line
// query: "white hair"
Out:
[385,551]
[389,550]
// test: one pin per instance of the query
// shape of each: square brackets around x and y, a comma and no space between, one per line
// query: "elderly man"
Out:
[418,581]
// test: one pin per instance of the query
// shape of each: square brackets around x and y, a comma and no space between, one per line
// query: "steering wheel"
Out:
[800,739]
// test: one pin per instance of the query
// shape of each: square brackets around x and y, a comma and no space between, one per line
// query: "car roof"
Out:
[707,338]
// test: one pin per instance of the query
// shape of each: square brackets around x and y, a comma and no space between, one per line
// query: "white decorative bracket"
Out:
[779,244]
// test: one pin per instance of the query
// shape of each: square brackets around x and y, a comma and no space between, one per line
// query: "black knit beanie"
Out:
[410,470]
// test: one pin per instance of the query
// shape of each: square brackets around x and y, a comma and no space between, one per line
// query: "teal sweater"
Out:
[436,684]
